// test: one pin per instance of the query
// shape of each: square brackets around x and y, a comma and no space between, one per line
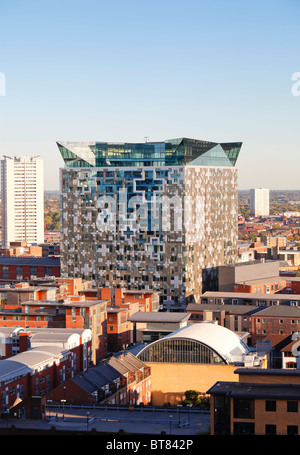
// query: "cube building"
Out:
[156,215]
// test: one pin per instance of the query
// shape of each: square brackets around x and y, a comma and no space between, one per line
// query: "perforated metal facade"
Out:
[149,226]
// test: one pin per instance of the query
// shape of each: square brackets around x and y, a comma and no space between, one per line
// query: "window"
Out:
[33,271]
[292,406]
[243,408]
[180,351]
[271,405]
[245,428]
[5,272]
[270,429]
[19,272]
[292,430]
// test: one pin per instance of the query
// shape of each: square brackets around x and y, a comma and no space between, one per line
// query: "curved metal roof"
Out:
[9,369]
[37,355]
[223,341]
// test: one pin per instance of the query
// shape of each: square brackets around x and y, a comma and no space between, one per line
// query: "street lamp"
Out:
[189,406]
[170,423]
[63,403]
[179,406]
[87,421]
[49,402]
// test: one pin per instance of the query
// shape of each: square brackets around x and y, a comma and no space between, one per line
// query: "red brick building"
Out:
[258,321]
[18,268]
[72,303]
[271,285]
[293,285]
[38,371]
[121,380]
[119,329]
[278,319]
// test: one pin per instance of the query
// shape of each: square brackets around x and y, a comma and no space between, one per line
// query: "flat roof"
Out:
[260,281]
[30,260]
[256,390]
[155,316]
[269,371]
[79,303]
[289,252]
[53,330]
[250,295]
[249,263]
[25,289]
[139,291]
[114,309]
[272,310]
[229,308]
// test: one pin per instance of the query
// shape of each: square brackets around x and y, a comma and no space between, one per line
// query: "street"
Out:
[111,420]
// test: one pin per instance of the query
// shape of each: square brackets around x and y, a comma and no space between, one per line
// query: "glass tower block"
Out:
[156,215]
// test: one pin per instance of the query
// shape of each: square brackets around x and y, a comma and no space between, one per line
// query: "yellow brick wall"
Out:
[170,381]
[281,418]
[269,379]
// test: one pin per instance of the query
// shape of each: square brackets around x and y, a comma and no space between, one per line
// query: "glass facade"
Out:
[176,152]
[159,216]
[180,351]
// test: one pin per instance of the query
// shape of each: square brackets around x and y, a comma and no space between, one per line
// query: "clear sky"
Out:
[218,70]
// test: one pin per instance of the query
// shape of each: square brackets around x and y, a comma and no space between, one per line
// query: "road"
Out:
[138,421]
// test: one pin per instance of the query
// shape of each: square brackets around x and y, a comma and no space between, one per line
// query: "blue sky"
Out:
[122,70]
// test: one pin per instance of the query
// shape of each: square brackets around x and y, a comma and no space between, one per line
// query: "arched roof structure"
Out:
[214,344]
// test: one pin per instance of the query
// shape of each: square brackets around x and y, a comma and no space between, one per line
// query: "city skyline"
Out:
[150,219]
[92,71]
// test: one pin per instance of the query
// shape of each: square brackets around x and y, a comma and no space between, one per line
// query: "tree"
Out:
[52,220]
[192,397]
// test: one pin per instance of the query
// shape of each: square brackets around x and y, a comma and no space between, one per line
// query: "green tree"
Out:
[52,220]
[192,397]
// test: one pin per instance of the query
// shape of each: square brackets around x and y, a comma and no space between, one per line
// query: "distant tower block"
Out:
[22,193]
[259,202]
